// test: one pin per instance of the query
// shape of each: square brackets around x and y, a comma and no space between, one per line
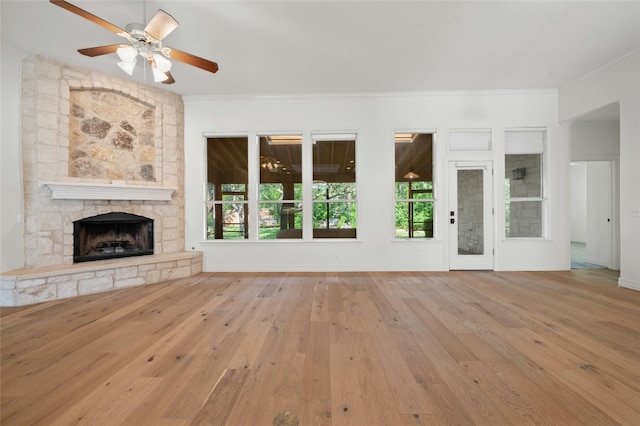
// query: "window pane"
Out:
[227,221]
[334,215]
[280,220]
[334,220]
[281,182]
[334,161]
[334,181]
[414,181]
[470,212]
[281,167]
[523,219]
[334,191]
[465,140]
[271,191]
[523,184]
[402,190]
[523,173]
[227,179]
[413,219]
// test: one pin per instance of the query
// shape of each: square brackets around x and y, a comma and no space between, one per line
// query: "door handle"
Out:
[452,221]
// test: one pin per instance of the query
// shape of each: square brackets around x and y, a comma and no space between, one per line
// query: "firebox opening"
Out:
[112,235]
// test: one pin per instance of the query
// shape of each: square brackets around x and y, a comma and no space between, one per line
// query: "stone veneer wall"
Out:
[46,86]
[111,136]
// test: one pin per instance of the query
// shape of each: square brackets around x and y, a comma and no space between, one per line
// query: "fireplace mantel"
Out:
[113,191]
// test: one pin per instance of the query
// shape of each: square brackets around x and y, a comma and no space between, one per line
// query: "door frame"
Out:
[458,261]
[613,261]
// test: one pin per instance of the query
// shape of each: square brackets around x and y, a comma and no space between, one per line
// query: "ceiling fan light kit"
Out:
[128,58]
[144,41]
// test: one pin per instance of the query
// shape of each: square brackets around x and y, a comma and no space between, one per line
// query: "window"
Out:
[334,186]
[414,200]
[524,192]
[227,197]
[470,140]
[280,189]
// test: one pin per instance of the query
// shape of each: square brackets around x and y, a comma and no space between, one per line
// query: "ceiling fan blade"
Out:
[161,25]
[196,61]
[91,17]
[169,80]
[100,50]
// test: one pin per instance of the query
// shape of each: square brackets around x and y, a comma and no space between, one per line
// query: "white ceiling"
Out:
[277,47]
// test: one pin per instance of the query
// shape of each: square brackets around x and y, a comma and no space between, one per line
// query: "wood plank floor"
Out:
[411,348]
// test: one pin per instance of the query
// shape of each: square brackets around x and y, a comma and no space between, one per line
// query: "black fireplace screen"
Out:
[112,235]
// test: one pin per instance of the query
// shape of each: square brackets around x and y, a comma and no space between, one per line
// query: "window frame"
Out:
[542,198]
[211,202]
[294,135]
[411,201]
[328,136]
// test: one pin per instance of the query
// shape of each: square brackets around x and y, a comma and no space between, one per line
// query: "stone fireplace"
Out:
[112,235]
[94,144]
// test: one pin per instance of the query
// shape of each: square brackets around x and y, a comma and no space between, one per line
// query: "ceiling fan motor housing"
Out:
[143,42]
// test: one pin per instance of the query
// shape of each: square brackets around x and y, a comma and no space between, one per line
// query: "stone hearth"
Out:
[28,286]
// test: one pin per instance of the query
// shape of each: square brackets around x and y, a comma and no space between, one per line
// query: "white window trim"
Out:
[307,218]
[434,179]
[544,198]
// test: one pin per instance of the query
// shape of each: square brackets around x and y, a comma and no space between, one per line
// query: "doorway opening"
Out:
[594,189]
[592,214]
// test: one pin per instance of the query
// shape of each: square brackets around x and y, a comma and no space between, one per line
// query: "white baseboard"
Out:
[633,285]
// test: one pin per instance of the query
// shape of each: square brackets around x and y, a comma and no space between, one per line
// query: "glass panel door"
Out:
[471,215]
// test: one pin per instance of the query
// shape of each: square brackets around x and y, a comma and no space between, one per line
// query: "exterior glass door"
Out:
[470,215]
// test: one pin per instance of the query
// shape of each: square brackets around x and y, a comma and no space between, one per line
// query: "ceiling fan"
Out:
[143,41]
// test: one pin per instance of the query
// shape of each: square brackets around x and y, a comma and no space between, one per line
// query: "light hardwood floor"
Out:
[411,348]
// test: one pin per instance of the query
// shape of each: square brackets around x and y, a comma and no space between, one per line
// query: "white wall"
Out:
[619,82]
[594,141]
[375,117]
[578,202]
[11,205]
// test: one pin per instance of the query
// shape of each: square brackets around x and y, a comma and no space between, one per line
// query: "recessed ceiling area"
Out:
[288,47]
